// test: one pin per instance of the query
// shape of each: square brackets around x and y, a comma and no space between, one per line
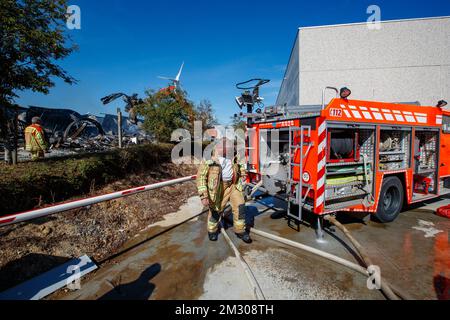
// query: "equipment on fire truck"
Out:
[350,181]
[425,169]
[251,98]
[343,146]
[248,99]
[423,185]
[428,151]
[349,172]
[390,144]
[441,104]
[394,149]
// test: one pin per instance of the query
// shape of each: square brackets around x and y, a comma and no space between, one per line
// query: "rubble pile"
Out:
[69,132]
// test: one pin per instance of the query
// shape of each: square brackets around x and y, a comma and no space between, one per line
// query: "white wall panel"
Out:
[405,61]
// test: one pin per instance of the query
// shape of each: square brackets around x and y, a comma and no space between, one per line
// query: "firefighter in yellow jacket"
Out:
[35,141]
[219,181]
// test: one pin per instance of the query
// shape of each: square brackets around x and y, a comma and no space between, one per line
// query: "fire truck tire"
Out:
[391,200]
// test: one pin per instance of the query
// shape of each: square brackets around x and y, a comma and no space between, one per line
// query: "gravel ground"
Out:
[29,249]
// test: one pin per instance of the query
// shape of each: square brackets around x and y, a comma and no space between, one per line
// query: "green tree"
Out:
[166,111]
[32,39]
[205,113]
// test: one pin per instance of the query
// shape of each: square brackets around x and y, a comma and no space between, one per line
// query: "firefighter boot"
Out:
[245,237]
[213,236]
[213,225]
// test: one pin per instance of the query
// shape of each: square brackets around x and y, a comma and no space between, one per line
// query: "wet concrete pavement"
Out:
[413,254]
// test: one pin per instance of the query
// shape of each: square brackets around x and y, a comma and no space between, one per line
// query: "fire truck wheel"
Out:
[391,200]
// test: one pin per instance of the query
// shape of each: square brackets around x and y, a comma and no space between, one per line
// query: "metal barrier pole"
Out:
[119,127]
[38,213]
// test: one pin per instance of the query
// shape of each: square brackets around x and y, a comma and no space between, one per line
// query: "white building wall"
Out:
[404,61]
[289,92]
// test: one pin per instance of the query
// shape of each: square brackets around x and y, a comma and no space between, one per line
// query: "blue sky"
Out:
[125,45]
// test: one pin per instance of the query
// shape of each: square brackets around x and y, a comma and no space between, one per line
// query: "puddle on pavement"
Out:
[192,208]
[185,256]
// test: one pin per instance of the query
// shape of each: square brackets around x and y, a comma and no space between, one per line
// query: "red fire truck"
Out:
[348,155]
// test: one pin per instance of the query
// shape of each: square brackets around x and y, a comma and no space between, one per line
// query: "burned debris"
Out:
[131,103]
[67,131]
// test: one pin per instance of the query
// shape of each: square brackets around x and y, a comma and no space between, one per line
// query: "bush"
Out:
[28,185]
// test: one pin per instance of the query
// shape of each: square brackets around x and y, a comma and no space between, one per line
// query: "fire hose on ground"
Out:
[327,256]
[385,287]
[256,289]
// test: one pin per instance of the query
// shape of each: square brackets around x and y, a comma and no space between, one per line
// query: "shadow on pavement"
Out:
[140,289]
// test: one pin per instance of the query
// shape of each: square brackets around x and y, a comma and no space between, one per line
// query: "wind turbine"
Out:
[176,81]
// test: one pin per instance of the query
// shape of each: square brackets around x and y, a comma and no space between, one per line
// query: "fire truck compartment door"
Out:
[445,148]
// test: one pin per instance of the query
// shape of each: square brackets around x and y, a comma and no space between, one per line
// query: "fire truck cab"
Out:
[350,155]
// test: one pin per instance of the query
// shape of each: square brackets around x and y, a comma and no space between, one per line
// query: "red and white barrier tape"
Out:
[38,213]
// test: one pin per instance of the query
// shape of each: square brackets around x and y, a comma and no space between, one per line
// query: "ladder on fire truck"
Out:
[300,143]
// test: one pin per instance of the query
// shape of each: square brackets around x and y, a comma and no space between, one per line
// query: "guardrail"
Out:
[66,206]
